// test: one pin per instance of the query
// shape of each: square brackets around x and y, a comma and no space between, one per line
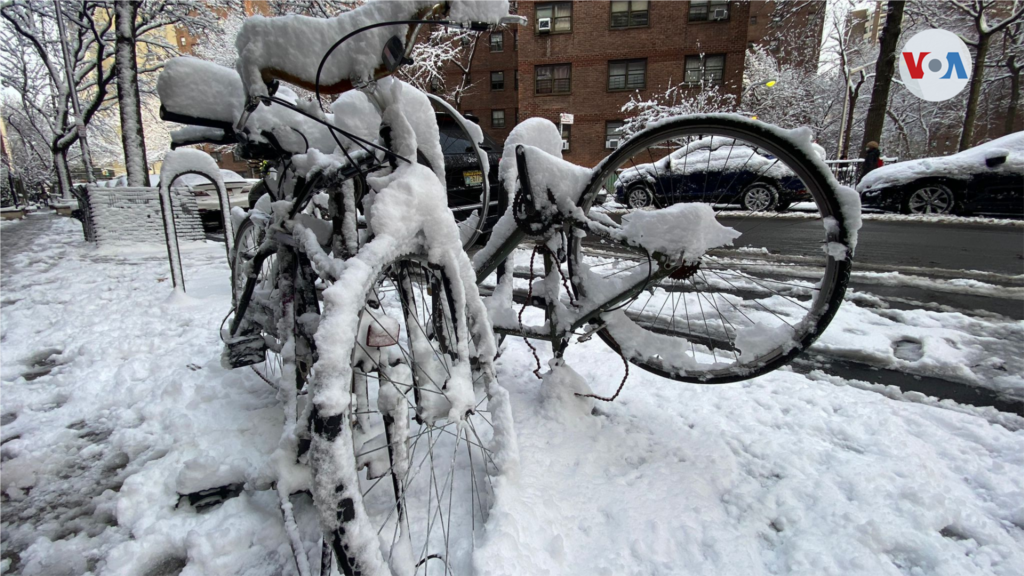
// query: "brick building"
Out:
[494,84]
[587,58]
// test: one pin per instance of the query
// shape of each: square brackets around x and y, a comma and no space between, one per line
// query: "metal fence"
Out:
[130,215]
[847,172]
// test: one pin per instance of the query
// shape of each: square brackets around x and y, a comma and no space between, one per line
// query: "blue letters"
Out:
[953,61]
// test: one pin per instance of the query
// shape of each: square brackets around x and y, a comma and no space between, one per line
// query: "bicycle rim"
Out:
[744,309]
[425,480]
[259,310]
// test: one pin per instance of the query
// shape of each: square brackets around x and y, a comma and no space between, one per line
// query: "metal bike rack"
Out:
[203,165]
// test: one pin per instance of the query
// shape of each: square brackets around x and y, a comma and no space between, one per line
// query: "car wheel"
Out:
[929,199]
[639,197]
[759,197]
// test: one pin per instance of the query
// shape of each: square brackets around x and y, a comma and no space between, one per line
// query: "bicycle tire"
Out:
[738,276]
[248,238]
[418,299]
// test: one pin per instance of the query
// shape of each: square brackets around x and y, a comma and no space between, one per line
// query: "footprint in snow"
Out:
[908,349]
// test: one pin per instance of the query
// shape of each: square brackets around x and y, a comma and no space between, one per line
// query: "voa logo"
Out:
[935,65]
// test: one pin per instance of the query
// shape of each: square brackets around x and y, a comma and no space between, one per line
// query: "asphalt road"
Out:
[892,245]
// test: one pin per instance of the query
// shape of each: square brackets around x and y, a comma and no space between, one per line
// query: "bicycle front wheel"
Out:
[424,457]
[744,309]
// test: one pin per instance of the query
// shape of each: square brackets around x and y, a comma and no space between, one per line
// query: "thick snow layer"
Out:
[960,166]
[112,395]
[295,44]
[686,229]
[708,155]
[201,89]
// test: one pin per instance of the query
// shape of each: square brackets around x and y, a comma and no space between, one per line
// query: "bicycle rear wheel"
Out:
[742,310]
[259,317]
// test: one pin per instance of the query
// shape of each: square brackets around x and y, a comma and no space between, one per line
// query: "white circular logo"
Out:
[935,65]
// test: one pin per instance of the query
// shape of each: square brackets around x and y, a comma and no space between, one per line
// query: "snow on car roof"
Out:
[960,166]
[711,155]
[198,179]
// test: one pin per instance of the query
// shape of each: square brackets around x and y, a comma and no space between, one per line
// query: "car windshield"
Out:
[455,141]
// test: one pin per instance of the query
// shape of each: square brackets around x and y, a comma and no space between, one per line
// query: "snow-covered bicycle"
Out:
[371,324]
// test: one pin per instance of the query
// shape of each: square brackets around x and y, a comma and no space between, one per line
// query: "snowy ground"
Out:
[112,393]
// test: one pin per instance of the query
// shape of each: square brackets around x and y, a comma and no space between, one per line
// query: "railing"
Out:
[847,172]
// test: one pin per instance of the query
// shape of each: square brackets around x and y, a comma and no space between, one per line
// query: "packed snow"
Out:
[114,401]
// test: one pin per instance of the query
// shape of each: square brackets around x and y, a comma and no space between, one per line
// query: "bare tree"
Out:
[681,99]
[885,66]
[442,63]
[1014,64]
[32,29]
[985,20]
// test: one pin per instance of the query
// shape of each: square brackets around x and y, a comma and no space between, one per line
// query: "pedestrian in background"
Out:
[872,159]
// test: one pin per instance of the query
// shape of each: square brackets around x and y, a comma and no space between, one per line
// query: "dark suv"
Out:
[463,174]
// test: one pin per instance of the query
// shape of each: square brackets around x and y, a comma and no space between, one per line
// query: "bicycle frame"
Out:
[561,321]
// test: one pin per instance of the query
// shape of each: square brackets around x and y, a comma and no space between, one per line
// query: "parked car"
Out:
[463,176]
[988,178]
[722,172]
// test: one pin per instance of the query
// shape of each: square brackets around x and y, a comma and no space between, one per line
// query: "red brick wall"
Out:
[479,98]
[665,43]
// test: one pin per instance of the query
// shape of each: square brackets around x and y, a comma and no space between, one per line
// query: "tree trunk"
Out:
[132,137]
[977,78]
[885,66]
[60,166]
[848,128]
[1011,111]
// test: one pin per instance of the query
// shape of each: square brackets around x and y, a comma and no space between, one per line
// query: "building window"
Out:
[627,74]
[558,16]
[497,80]
[708,70]
[515,39]
[497,118]
[566,136]
[516,80]
[629,14]
[236,157]
[704,10]
[183,42]
[613,133]
[553,79]
[216,157]
[517,115]
[497,41]
[753,19]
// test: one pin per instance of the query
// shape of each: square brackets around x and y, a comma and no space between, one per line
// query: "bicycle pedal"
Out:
[243,351]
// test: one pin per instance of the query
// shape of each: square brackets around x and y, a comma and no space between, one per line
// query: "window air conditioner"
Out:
[720,14]
[565,144]
[613,143]
[544,25]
